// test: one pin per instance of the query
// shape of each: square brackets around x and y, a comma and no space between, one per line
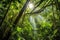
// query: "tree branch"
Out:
[37,5]
[40,10]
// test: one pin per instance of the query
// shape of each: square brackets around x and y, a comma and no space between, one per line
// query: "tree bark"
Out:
[16,21]
[6,13]
[20,13]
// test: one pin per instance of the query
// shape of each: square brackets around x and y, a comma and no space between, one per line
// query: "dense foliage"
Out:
[29,19]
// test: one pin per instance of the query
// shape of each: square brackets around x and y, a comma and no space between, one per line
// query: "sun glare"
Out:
[30,5]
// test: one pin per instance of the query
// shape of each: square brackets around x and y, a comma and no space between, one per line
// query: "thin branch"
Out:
[40,10]
[37,5]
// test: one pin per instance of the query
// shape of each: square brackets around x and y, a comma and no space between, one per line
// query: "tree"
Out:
[19,22]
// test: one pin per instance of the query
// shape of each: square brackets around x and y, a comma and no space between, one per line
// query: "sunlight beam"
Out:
[30,5]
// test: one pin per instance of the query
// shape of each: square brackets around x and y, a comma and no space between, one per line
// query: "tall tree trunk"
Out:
[16,21]
[6,13]
[1,32]
[20,13]
[57,37]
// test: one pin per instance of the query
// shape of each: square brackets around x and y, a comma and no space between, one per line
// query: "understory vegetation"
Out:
[29,19]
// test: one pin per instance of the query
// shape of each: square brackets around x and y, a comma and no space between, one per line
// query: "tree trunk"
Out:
[16,21]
